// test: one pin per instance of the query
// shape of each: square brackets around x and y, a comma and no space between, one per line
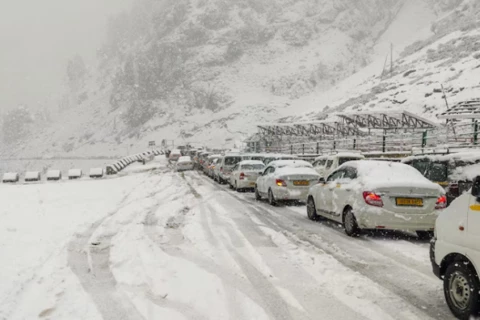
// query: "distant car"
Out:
[226,165]
[174,155]
[244,174]
[216,170]
[377,195]
[286,180]
[184,163]
[319,164]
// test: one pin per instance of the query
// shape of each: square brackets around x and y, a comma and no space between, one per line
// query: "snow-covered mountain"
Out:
[206,71]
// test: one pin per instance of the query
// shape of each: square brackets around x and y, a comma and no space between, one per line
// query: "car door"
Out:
[234,175]
[261,180]
[269,179]
[342,193]
[331,185]
[472,225]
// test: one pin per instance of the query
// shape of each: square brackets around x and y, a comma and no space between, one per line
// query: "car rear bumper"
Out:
[183,168]
[245,184]
[377,218]
[287,193]
[435,266]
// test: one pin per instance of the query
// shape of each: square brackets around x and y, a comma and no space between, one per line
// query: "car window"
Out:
[350,173]
[336,175]
[322,162]
[252,167]
[230,161]
[343,160]
[329,164]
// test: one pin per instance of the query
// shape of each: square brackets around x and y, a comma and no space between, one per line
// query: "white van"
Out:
[455,253]
[336,160]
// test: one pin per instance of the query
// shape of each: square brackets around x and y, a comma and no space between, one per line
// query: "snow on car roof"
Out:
[184,159]
[286,171]
[214,156]
[176,151]
[244,162]
[291,164]
[349,155]
[469,172]
[466,156]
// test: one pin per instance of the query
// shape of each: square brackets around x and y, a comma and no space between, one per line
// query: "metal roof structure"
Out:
[463,110]
[308,129]
[386,120]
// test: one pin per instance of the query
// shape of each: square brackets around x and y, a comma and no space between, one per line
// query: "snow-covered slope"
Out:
[206,71]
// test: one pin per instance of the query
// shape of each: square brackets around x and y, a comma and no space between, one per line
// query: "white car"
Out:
[455,253]
[184,163]
[377,195]
[174,155]
[244,174]
[225,167]
[334,161]
[319,164]
[286,180]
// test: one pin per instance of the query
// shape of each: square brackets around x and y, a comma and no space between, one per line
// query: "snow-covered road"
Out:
[166,245]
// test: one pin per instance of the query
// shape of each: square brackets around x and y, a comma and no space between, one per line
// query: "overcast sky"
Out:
[39,36]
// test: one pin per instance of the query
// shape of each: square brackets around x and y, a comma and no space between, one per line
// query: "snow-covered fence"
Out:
[32,176]
[75,174]
[10,177]
[54,175]
[96,173]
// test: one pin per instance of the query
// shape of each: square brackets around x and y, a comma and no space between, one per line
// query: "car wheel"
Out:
[311,210]
[271,198]
[461,287]
[350,223]
[258,197]
[425,235]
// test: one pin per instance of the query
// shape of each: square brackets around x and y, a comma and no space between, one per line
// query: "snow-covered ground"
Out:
[156,244]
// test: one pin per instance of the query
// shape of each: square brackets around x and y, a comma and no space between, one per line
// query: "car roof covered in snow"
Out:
[251,162]
[291,164]
[291,171]
[386,173]
[214,156]
[465,156]
[175,151]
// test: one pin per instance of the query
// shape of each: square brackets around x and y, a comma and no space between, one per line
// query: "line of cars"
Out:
[410,194]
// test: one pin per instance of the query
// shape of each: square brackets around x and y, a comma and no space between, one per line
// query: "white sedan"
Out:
[377,195]
[184,163]
[286,180]
[244,174]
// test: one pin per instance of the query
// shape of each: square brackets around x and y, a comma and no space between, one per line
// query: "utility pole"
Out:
[391,58]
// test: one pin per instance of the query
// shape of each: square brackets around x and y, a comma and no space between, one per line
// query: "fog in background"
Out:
[39,36]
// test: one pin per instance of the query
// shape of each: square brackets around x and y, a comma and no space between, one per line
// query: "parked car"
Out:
[286,180]
[455,253]
[184,163]
[216,170]
[208,162]
[336,160]
[244,174]
[225,167]
[174,155]
[454,172]
[211,168]
[377,195]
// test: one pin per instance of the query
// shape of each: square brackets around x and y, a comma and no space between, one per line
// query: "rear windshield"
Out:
[437,172]
[253,167]
[257,158]
[421,165]
[231,161]
[343,160]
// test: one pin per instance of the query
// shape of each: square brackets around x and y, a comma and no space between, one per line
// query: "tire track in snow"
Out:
[372,264]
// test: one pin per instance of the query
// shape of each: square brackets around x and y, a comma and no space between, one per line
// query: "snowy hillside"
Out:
[207,71]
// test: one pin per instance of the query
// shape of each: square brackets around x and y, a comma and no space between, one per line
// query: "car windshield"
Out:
[252,167]
[342,160]
[230,161]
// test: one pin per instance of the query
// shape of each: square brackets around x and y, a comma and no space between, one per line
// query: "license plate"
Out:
[252,184]
[301,183]
[409,202]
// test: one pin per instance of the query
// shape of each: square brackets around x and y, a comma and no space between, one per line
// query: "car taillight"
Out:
[453,189]
[373,199]
[280,183]
[242,176]
[221,169]
[441,203]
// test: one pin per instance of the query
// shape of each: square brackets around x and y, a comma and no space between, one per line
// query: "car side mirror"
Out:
[476,187]
[321,180]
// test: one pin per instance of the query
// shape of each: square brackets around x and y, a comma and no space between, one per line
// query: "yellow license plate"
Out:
[301,183]
[410,202]
[252,184]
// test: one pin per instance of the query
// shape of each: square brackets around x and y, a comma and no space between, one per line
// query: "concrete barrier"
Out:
[10,177]
[74,174]
[54,175]
[32,176]
[96,173]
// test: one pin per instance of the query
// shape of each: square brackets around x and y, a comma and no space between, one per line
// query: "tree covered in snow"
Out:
[15,124]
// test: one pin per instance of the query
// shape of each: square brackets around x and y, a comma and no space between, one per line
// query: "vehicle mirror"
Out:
[476,187]
[321,180]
